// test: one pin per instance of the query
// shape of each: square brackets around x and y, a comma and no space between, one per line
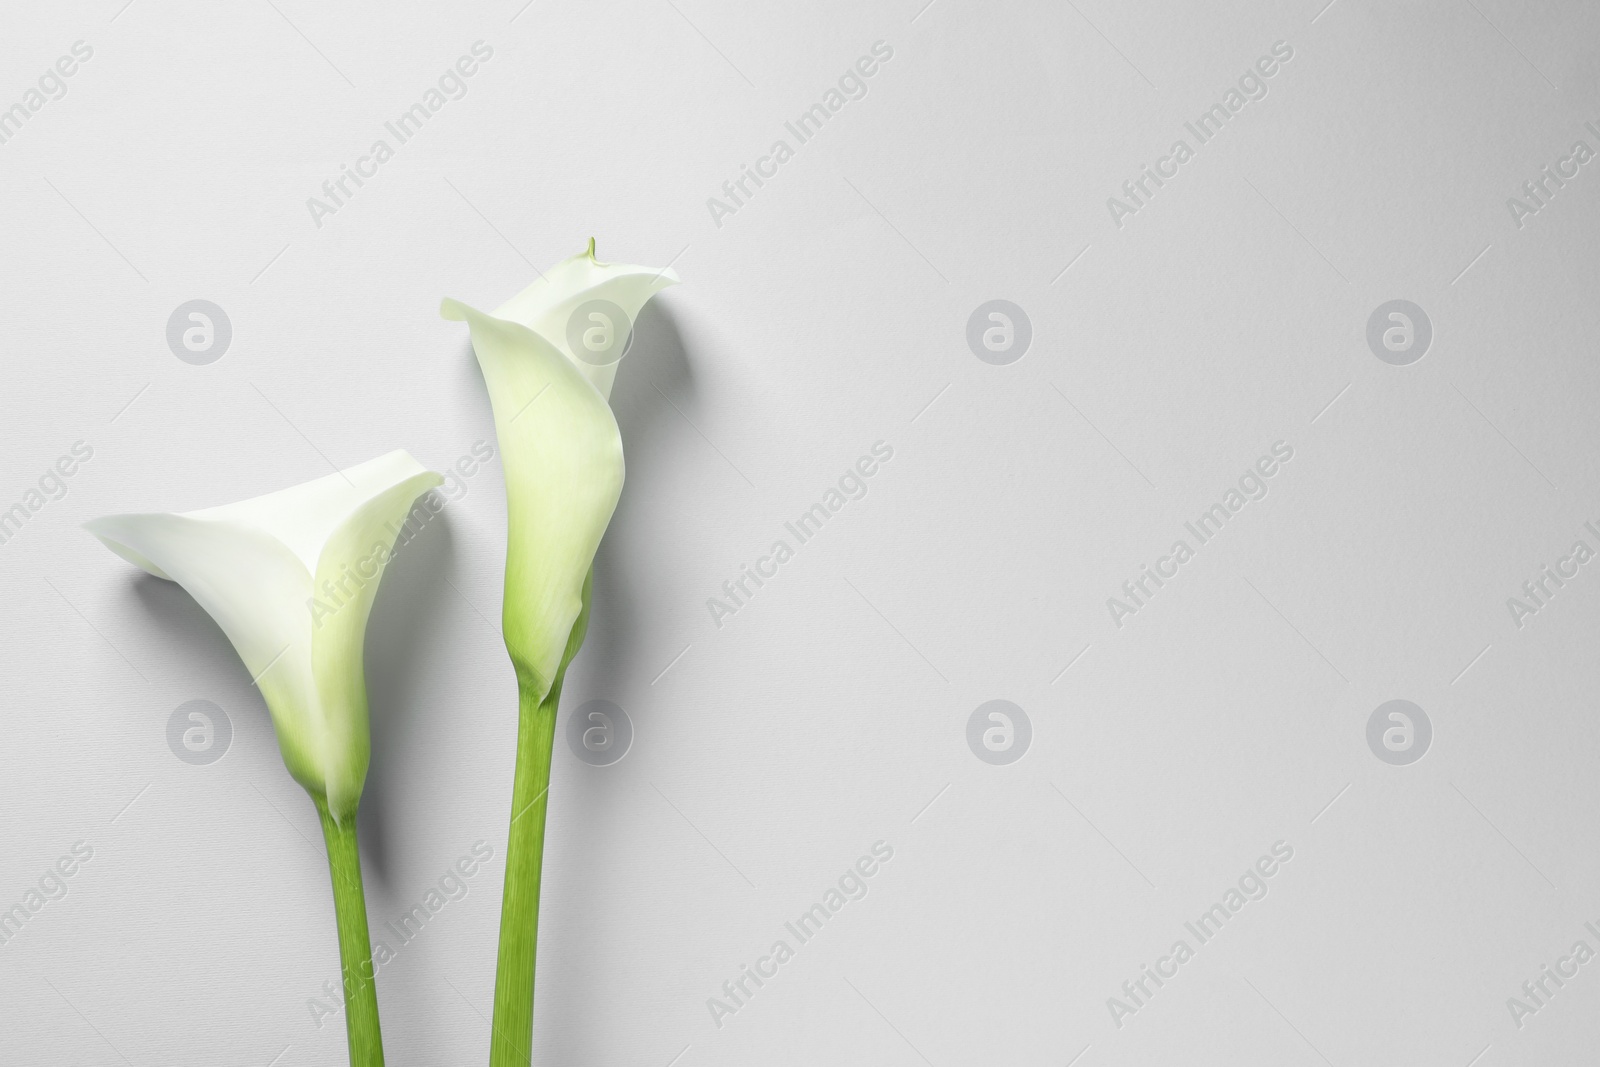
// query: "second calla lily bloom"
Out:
[549,356]
[290,577]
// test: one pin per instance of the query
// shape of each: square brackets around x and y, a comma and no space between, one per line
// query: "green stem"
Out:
[512,1042]
[355,950]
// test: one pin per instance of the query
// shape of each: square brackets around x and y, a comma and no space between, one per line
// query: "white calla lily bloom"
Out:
[290,577]
[549,357]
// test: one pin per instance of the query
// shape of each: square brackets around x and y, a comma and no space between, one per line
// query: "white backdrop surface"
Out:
[1177,739]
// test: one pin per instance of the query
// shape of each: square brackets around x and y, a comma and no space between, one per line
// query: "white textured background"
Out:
[827,314]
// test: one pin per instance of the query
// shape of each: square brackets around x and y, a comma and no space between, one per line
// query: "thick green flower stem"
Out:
[511,1044]
[355,949]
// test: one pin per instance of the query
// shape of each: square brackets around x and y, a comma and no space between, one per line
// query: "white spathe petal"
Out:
[352,561]
[257,567]
[562,456]
[248,581]
[548,304]
[559,443]
[304,516]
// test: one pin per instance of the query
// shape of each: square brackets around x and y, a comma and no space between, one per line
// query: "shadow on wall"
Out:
[212,670]
[588,808]
[399,635]
[176,615]
[656,367]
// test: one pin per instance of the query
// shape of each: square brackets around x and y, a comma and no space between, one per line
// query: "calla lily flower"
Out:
[549,357]
[290,577]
